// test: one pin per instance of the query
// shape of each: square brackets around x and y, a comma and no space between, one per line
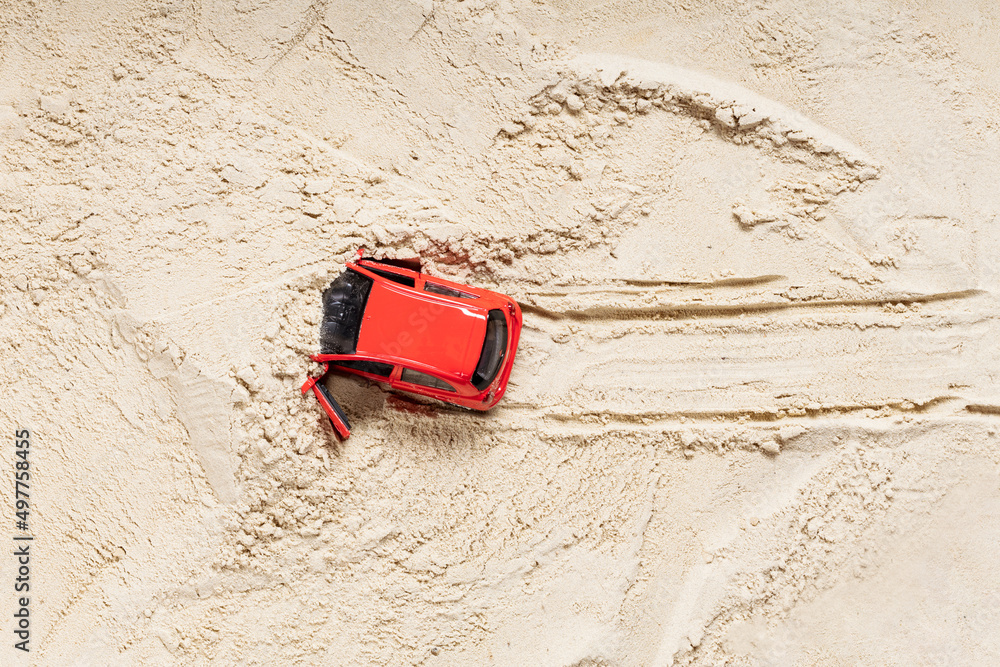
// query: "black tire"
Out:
[344,304]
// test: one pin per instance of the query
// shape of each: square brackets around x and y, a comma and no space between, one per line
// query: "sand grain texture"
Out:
[753,418]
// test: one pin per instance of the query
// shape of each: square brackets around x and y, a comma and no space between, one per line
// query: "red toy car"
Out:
[417,333]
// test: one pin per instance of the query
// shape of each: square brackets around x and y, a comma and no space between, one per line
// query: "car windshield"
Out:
[494,349]
[344,304]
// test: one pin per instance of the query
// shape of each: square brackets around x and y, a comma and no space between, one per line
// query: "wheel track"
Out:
[938,406]
[696,310]
[899,355]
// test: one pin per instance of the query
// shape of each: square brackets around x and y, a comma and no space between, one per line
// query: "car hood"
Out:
[409,326]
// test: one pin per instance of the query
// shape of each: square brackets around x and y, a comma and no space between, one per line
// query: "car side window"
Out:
[425,380]
[434,288]
[373,367]
[395,277]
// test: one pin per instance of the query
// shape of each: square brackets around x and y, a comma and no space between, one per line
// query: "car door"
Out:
[418,382]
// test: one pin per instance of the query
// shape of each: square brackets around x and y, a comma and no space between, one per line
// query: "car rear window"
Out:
[435,288]
[344,304]
[494,349]
[423,379]
[373,367]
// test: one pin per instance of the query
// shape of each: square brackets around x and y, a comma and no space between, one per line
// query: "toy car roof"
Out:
[382,319]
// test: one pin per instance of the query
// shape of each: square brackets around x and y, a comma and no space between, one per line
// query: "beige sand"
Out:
[753,416]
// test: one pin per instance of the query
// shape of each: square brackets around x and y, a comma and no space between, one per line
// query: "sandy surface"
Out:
[753,418]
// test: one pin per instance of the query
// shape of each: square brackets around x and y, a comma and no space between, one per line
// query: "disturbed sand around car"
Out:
[754,413]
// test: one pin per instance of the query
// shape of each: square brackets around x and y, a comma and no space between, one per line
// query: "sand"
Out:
[753,417]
